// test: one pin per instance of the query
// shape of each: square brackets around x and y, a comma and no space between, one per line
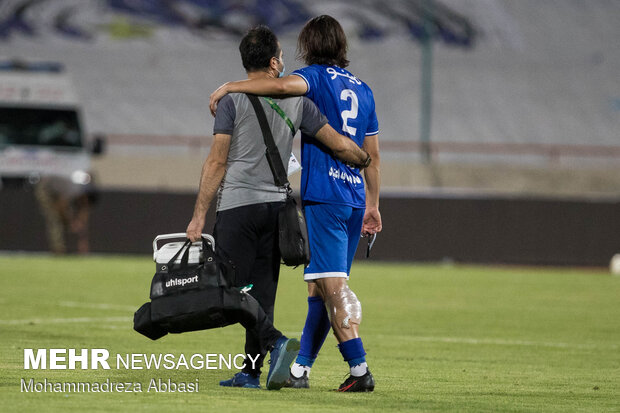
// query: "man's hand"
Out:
[372,221]
[194,229]
[215,97]
[362,165]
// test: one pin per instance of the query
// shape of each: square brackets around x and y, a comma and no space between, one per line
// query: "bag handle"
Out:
[273,154]
[206,242]
[181,235]
[184,258]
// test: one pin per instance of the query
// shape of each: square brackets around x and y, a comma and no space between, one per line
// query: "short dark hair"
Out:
[322,41]
[257,48]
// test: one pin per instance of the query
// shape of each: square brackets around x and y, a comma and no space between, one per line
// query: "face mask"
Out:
[281,74]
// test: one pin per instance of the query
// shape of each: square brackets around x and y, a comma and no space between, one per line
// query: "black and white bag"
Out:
[292,230]
[192,289]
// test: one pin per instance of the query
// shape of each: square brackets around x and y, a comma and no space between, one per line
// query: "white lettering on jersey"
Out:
[335,74]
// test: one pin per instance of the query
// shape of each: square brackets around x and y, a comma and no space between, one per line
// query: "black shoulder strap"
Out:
[273,155]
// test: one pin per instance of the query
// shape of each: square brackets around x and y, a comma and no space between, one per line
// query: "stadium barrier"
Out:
[469,229]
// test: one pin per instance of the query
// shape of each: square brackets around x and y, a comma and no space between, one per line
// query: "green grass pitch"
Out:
[439,338]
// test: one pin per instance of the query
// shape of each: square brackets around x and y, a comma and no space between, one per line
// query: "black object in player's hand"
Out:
[371,242]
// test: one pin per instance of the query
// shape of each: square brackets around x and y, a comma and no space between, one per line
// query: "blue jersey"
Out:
[349,106]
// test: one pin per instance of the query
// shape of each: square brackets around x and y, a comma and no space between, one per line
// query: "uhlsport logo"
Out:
[180,282]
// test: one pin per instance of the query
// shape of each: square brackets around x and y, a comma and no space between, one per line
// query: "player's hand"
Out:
[194,229]
[215,97]
[372,221]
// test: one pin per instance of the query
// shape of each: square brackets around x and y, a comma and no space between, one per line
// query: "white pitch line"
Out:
[65,320]
[503,342]
[100,306]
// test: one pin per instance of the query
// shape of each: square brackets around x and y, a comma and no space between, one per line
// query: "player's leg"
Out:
[325,225]
[360,380]
[343,307]
[313,336]
[346,314]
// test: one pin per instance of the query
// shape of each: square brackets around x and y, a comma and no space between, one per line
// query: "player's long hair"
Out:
[322,41]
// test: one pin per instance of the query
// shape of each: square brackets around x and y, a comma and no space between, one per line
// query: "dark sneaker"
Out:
[358,384]
[282,355]
[297,382]
[242,379]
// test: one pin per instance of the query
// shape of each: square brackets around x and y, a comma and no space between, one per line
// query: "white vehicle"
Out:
[41,131]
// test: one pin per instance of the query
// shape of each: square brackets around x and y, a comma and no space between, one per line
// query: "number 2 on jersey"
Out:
[345,95]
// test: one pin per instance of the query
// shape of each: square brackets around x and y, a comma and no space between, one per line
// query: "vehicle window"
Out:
[49,127]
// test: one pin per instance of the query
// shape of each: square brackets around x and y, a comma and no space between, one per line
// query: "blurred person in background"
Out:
[336,206]
[65,203]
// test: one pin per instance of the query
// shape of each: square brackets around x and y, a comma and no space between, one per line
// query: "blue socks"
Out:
[315,331]
[313,336]
[353,351]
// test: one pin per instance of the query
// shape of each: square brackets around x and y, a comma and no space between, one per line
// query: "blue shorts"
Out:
[334,232]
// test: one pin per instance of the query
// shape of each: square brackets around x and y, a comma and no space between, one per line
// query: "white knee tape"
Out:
[344,307]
